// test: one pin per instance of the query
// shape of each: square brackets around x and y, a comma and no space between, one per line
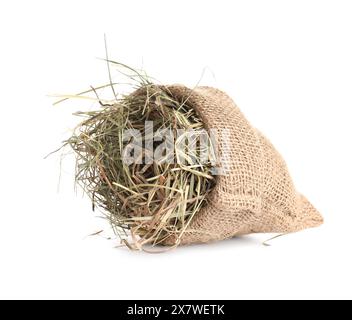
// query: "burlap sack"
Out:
[257,194]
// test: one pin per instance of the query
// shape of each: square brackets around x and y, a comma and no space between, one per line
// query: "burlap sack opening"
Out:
[257,193]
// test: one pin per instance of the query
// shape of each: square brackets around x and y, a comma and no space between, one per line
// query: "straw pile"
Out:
[146,203]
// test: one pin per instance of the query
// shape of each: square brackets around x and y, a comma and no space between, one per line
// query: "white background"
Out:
[288,66]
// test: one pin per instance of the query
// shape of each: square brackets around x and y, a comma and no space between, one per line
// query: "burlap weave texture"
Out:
[257,193]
